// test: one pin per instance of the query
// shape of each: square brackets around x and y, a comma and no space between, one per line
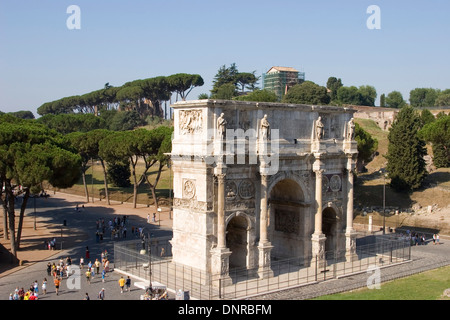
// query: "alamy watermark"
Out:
[73,22]
[374,279]
[237,147]
[374,20]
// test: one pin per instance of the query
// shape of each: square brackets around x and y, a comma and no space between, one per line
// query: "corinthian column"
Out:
[264,246]
[221,211]
[318,238]
[318,215]
[350,233]
[263,215]
[220,254]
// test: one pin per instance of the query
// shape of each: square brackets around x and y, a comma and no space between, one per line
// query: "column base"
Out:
[220,266]
[318,250]
[350,246]
[264,265]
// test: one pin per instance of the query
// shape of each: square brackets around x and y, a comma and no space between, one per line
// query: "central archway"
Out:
[286,201]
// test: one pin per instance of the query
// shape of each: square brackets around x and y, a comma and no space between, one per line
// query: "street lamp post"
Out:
[384,202]
[34,198]
[159,216]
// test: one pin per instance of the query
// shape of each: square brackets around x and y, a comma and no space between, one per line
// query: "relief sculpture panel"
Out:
[191,121]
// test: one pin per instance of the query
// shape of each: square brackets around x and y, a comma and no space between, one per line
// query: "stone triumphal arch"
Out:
[255,182]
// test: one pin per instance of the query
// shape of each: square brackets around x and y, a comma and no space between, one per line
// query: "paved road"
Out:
[79,233]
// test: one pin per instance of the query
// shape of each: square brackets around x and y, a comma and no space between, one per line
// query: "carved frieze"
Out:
[192,204]
[287,221]
[240,205]
[191,121]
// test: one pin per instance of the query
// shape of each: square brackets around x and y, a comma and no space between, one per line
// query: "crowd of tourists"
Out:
[416,238]
[117,228]
[57,271]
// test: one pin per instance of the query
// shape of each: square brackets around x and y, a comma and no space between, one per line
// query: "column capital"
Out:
[220,176]
[319,172]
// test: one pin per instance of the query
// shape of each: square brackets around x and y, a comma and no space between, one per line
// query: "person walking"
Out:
[103,275]
[57,283]
[88,276]
[101,294]
[87,253]
[128,283]
[121,284]
[86,297]
[97,266]
[44,286]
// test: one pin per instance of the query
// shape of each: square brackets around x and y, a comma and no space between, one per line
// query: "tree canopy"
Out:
[30,154]
[406,151]
[143,96]
[362,96]
[367,145]
[228,82]
[395,100]
[438,133]
[307,93]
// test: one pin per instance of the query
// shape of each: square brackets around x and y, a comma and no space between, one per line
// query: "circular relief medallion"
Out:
[325,183]
[246,189]
[189,189]
[335,183]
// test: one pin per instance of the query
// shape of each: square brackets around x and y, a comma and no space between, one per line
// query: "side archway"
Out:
[238,240]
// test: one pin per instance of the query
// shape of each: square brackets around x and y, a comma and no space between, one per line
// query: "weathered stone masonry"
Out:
[260,181]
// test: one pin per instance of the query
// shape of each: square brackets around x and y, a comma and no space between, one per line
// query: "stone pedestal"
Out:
[318,249]
[264,270]
[350,246]
[220,261]
[318,147]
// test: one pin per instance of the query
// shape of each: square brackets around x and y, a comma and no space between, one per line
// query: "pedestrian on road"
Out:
[103,275]
[121,284]
[87,252]
[101,294]
[57,282]
[49,269]
[44,286]
[81,263]
[128,283]
[97,265]
[36,286]
[88,276]
[86,297]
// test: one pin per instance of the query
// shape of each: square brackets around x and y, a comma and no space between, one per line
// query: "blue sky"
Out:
[42,60]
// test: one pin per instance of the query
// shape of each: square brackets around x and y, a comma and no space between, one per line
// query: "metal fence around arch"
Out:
[133,257]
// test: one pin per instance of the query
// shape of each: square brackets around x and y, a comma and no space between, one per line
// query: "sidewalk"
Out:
[49,226]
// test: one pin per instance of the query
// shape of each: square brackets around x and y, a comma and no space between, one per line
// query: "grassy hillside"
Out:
[369,190]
